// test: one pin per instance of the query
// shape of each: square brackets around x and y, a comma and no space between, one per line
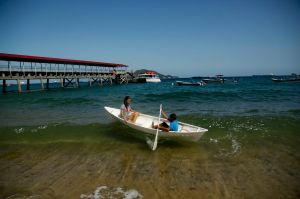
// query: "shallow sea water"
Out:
[62,144]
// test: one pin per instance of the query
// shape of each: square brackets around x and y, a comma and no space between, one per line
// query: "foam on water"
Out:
[225,151]
[42,127]
[213,140]
[112,193]
[19,130]
[34,130]
[236,146]
[19,196]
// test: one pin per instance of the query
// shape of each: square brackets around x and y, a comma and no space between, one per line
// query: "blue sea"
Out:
[61,143]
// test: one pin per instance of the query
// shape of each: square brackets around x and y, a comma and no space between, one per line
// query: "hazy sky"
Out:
[184,38]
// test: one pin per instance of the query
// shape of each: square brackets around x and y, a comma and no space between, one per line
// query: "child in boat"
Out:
[126,112]
[164,126]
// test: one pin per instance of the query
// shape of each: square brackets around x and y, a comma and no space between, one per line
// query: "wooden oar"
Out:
[156,136]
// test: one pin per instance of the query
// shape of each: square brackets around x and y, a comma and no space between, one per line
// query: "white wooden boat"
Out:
[143,123]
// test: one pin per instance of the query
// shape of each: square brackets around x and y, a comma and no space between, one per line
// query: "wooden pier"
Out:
[67,72]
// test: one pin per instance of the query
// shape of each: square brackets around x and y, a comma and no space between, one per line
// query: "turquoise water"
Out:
[250,97]
[64,137]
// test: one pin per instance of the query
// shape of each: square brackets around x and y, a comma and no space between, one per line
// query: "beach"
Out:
[62,144]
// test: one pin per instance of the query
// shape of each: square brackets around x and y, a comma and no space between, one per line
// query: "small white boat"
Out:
[143,123]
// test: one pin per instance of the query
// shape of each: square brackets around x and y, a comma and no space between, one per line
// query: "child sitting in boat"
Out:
[164,126]
[127,113]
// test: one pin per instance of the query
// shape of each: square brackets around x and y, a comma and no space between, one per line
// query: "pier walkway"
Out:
[67,71]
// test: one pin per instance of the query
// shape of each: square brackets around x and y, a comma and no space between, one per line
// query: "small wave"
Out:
[252,111]
[170,95]
[19,196]
[233,151]
[294,111]
[206,95]
[236,146]
[19,130]
[112,193]
[213,140]
[42,127]
[242,127]
[65,101]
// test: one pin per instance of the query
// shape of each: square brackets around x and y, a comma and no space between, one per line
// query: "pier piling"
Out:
[42,84]
[28,85]
[61,83]
[4,86]
[77,82]
[47,84]
[68,72]
[19,85]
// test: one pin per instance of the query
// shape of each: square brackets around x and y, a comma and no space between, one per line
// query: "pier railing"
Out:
[10,69]
[66,71]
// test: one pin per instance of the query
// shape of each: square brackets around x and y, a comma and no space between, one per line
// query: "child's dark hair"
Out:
[172,117]
[125,101]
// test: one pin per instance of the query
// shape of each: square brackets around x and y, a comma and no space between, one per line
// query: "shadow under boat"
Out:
[121,132]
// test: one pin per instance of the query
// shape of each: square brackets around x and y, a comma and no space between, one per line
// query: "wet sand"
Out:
[74,169]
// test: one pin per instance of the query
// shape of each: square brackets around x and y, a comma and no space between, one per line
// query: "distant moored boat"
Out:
[294,78]
[151,77]
[217,79]
[182,83]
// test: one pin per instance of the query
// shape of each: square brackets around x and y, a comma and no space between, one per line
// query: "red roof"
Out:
[151,73]
[37,59]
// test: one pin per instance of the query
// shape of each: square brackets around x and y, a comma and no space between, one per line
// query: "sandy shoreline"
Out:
[70,169]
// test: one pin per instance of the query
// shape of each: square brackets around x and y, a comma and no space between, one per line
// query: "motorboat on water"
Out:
[150,77]
[286,80]
[182,83]
[143,124]
[292,78]
[217,79]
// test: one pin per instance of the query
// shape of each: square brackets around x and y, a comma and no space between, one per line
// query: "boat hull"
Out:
[214,80]
[187,132]
[286,80]
[138,80]
[180,83]
[153,80]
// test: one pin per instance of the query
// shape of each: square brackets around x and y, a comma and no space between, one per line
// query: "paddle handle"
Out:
[156,136]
